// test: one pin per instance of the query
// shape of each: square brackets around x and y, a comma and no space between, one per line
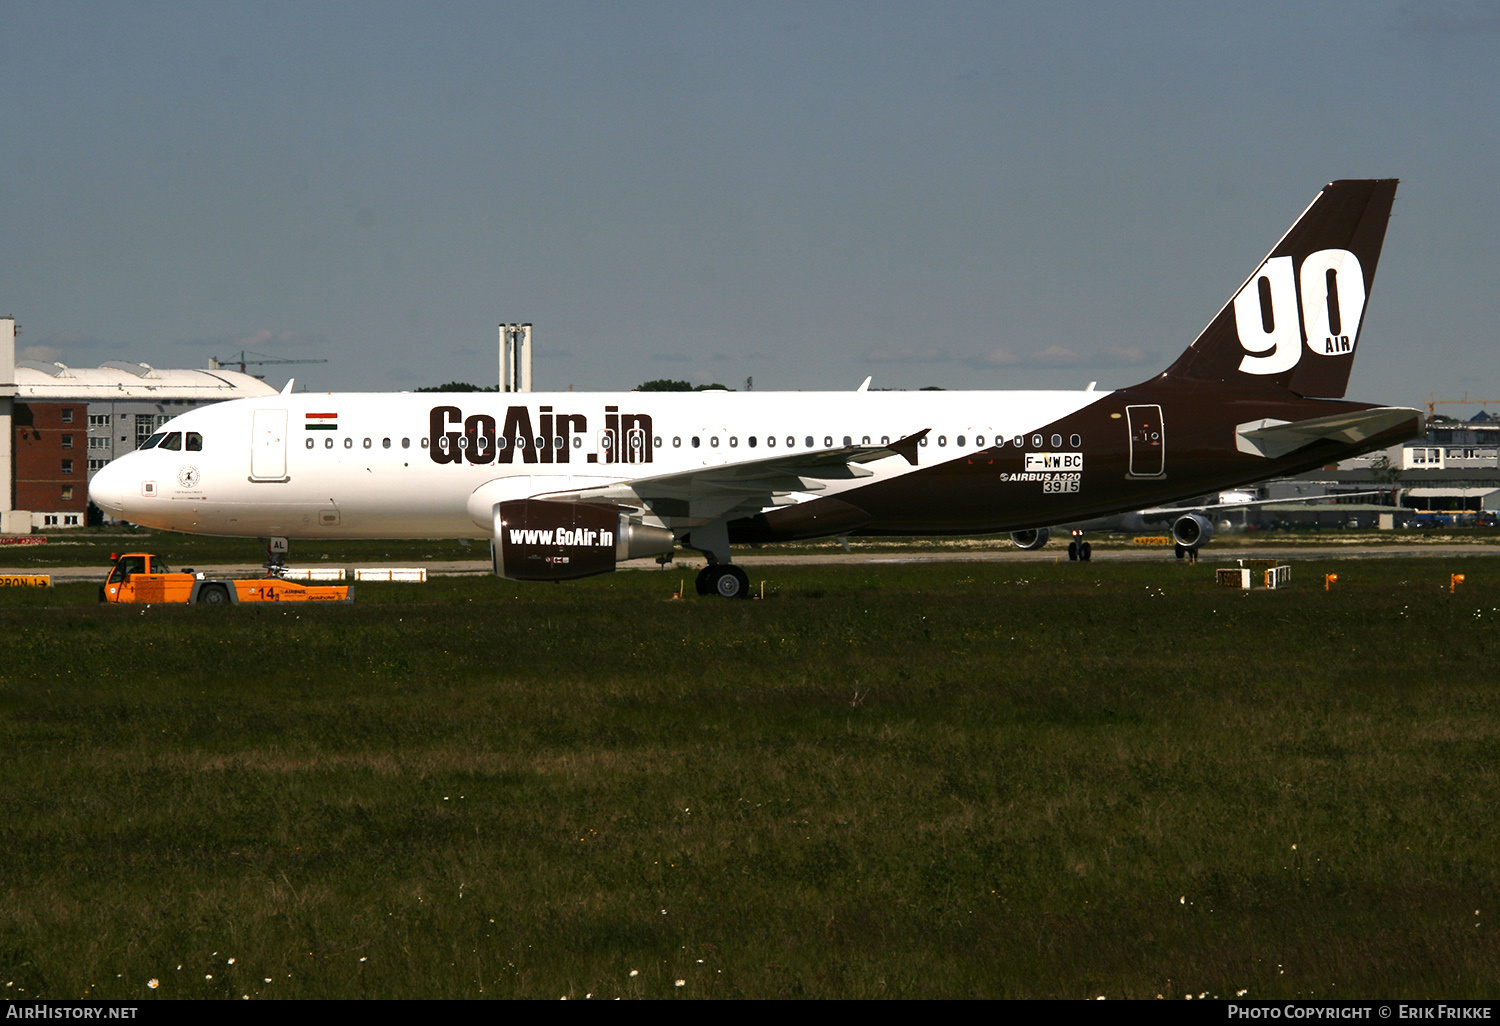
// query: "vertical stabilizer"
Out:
[1295,323]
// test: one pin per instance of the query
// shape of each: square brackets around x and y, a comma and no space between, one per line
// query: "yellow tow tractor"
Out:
[143,577]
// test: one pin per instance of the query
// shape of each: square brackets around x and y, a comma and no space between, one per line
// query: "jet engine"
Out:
[1192,530]
[1032,539]
[539,540]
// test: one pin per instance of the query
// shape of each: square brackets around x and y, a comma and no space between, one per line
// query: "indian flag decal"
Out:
[322,422]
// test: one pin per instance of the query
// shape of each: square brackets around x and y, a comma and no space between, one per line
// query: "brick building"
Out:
[51,470]
[59,424]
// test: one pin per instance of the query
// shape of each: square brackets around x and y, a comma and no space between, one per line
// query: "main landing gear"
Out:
[720,577]
[724,580]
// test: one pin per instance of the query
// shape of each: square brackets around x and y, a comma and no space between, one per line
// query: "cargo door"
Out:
[268,446]
[1148,441]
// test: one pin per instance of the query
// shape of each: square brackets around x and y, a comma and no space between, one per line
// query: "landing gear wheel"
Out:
[1181,552]
[1072,552]
[1085,552]
[705,581]
[732,583]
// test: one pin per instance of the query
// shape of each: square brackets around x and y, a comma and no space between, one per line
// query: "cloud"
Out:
[1063,356]
[908,355]
[1057,356]
[1464,17]
[71,348]
[1122,356]
[995,358]
[262,338]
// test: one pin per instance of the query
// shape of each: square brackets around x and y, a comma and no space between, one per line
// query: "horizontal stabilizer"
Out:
[1275,438]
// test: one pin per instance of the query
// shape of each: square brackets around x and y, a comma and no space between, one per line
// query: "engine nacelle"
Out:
[1032,539]
[1192,530]
[538,540]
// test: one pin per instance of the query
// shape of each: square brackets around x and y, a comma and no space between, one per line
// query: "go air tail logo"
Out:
[1332,302]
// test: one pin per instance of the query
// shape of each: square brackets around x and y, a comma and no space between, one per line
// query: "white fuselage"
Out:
[408,465]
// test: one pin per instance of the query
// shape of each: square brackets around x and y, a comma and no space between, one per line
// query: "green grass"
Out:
[1033,780]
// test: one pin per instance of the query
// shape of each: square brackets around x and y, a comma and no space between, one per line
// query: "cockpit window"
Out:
[153,441]
[194,442]
[173,441]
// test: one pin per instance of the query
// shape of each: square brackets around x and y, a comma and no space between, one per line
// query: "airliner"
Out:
[568,485]
[1188,528]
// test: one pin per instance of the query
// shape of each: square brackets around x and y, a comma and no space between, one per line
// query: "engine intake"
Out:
[1032,539]
[540,540]
[1192,530]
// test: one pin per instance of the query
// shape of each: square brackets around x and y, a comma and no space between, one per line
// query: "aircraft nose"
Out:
[109,487]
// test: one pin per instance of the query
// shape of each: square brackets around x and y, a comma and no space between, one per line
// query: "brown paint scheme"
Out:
[965,495]
[1203,396]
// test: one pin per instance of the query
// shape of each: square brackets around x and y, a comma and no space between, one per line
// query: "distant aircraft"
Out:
[1189,527]
[568,485]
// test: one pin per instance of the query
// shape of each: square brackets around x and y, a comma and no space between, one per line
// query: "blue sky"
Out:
[984,195]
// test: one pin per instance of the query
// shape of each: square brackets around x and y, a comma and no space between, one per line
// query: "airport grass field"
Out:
[1039,780]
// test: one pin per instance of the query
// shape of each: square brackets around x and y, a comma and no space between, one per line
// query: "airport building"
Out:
[1454,466]
[59,424]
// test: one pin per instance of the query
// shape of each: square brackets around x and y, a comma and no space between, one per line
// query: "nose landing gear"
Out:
[1079,551]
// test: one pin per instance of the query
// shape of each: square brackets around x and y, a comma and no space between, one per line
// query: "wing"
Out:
[742,489]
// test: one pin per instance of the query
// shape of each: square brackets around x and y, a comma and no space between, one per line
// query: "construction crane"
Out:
[1433,403]
[214,363]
